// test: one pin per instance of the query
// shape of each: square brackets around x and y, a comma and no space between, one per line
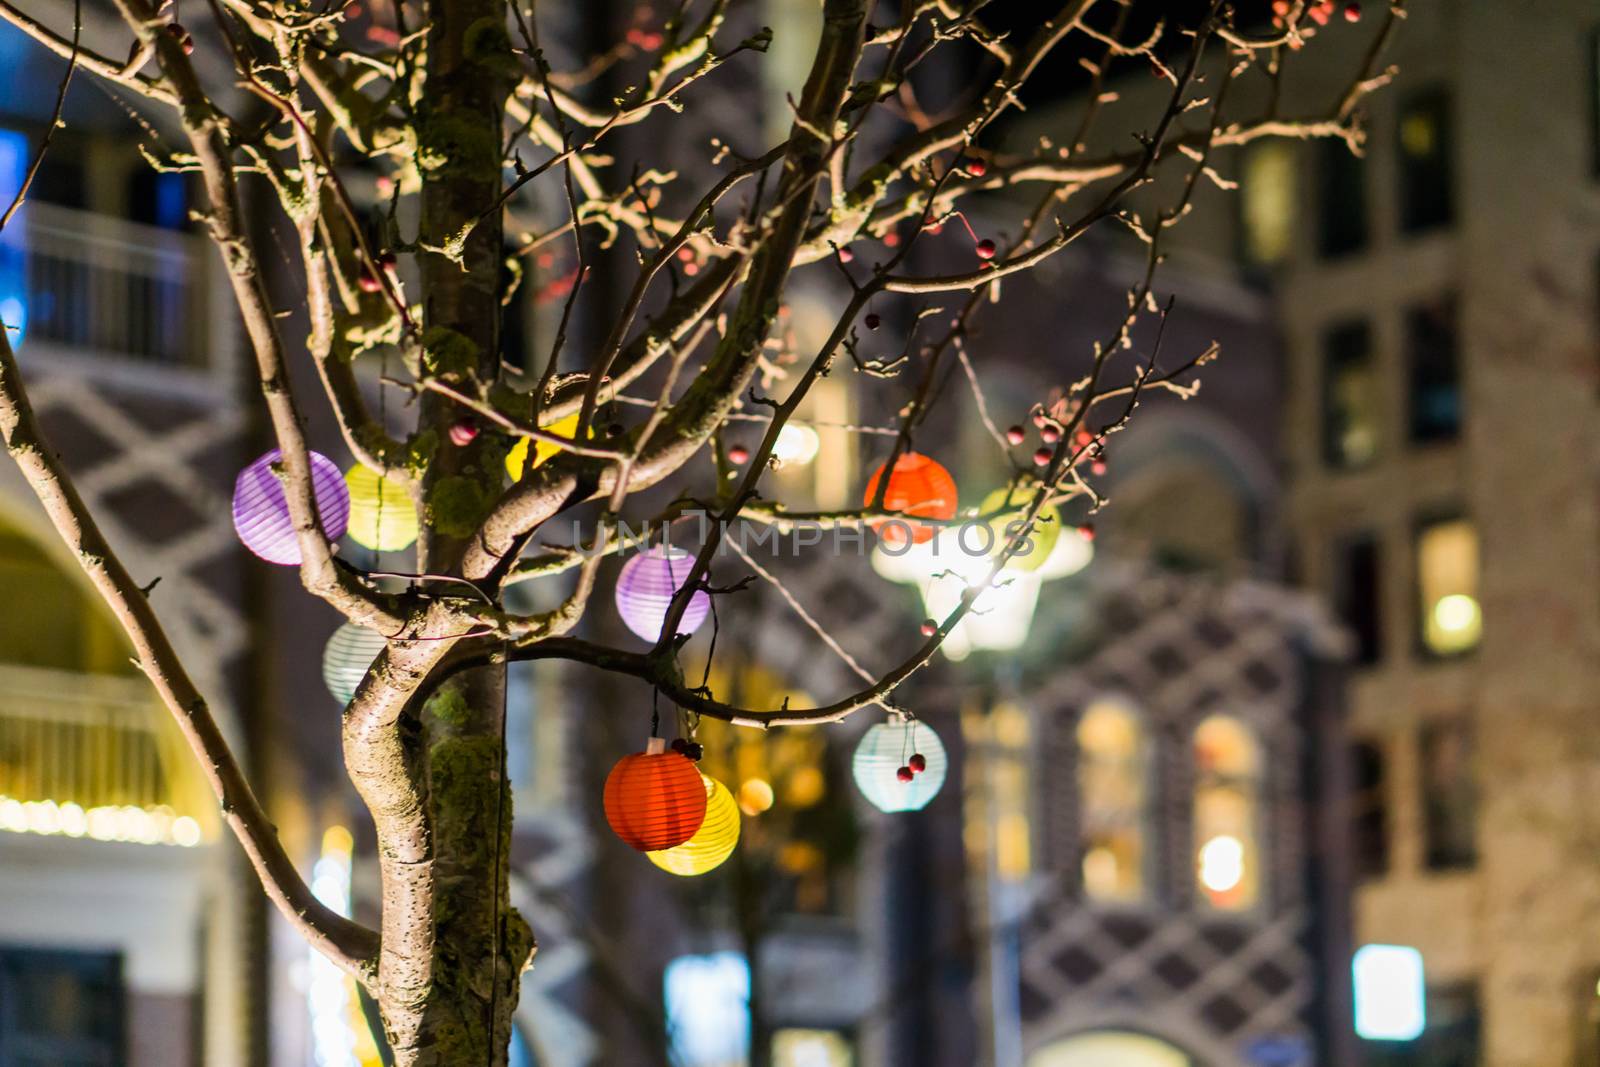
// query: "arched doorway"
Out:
[1110,1048]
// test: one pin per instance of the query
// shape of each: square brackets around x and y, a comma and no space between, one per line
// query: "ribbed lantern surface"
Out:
[645,588]
[712,843]
[345,659]
[654,799]
[918,486]
[261,514]
[382,516]
[1041,539]
[886,748]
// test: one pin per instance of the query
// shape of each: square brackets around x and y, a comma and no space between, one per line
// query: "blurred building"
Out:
[126,932]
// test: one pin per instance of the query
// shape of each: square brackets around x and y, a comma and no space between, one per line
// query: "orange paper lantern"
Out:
[655,799]
[918,486]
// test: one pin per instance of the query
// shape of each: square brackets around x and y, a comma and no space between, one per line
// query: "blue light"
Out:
[708,1009]
[1390,993]
[14,162]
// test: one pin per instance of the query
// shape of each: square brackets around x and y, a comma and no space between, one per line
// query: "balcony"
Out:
[140,300]
[87,755]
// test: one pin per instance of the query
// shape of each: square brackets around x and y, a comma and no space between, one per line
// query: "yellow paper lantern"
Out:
[1041,539]
[382,516]
[542,450]
[712,843]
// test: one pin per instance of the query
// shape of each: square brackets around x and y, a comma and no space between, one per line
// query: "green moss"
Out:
[456,505]
[448,353]
[450,708]
[454,144]
[487,44]
[462,772]
[420,449]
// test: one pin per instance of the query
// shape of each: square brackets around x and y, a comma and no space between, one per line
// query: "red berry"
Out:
[388,261]
[1040,418]
[904,774]
[1050,433]
[188,45]
[1086,531]
[891,240]
[935,228]
[739,454]
[918,762]
[1280,7]
[873,321]
[368,281]
[1016,435]
[686,254]
[1042,457]
[1083,437]
[462,433]
[986,249]
[929,627]
[1097,467]
[1352,12]
[1319,16]
[845,255]
[977,168]
[679,745]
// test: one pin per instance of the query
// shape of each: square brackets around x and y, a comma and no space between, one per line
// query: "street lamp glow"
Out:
[1222,863]
[797,444]
[1390,993]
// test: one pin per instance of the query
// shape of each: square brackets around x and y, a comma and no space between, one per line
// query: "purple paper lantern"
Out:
[645,589]
[261,514]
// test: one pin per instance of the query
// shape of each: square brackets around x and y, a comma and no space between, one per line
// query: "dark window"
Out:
[1452,1038]
[158,198]
[1370,813]
[1349,396]
[1449,796]
[1341,199]
[1427,195]
[1356,594]
[64,1009]
[1594,102]
[1435,372]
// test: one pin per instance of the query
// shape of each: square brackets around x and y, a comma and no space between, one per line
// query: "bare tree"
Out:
[448,104]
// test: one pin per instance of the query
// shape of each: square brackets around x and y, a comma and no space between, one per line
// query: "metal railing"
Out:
[106,286]
[73,745]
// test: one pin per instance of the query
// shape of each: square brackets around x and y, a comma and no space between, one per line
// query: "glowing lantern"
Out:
[919,486]
[655,799]
[712,843]
[382,516]
[345,659]
[885,751]
[1042,538]
[542,450]
[645,589]
[261,514]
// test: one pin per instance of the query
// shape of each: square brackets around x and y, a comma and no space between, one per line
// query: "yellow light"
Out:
[797,444]
[755,796]
[1222,863]
[382,516]
[542,450]
[805,787]
[1456,613]
[154,826]
[712,843]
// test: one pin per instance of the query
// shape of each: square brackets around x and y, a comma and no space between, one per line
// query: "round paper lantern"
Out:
[918,486]
[542,450]
[654,799]
[1042,537]
[885,749]
[349,652]
[712,843]
[646,586]
[261,514]
[382,516]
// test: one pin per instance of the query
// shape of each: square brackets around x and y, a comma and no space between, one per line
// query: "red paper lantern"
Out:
[655,799]
[918,486]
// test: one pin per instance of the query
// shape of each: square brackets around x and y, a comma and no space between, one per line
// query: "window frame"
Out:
[1144,815]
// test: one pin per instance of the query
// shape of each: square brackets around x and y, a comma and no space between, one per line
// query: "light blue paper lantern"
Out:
[886,748]
[345,660]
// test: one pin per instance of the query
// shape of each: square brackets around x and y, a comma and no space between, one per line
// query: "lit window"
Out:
[1011,791]
[1267,204]
[811,1048]
[1435,372]
[708,1009]
[1426,192]
[1341,199]
[1447,586]
[1390,993]
[1349,396]
[1449,795]
[1357,594]
[1113,795]
[1226,802]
